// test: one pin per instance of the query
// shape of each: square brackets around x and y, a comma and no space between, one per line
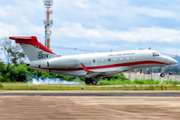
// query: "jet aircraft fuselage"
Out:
[90,66]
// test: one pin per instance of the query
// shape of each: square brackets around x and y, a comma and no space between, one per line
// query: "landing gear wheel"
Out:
[162,74]
[94,82]
[87,81]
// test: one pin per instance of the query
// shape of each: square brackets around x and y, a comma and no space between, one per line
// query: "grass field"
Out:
[87,87]
[136,81]
[115,84]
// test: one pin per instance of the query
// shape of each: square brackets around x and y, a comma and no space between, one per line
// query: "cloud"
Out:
[81,3]
[126,9]
[145,34]
[24,29]
[150,12]
[102,46]
[169,50]
[89,20]
[22,18]
[156,34]
[109,13]
[104,13]
[7,30]
[3,13]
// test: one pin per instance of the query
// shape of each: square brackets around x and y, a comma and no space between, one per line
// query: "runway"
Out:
[93,93]
[89,105]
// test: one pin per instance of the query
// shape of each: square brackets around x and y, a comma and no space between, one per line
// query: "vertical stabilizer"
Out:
[33,48]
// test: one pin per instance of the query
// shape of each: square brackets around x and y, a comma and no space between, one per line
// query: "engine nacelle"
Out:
[62,62]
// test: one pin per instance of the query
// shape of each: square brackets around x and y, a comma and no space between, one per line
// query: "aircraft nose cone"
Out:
[175,62]
[171,61]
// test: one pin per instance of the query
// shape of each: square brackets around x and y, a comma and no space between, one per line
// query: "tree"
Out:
[13,52]
[1,63]
[14,56]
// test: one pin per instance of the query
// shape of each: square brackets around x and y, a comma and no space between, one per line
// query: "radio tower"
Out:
[48,23]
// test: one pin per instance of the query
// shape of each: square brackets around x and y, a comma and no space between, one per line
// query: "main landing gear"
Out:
[89,81]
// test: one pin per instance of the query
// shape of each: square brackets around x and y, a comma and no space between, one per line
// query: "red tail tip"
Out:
[31,40]
[22,37]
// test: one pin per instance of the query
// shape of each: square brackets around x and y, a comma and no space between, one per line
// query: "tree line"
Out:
[21,73]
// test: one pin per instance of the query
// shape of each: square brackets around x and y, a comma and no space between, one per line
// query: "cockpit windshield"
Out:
[155,54]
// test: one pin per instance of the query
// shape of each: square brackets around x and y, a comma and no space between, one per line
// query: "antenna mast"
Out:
[48,23]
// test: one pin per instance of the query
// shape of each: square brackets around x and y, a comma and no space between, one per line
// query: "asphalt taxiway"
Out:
[84,93]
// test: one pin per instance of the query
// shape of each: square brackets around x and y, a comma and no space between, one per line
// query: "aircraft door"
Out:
[94,61]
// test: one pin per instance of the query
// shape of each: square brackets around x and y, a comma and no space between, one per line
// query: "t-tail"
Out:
[33,48]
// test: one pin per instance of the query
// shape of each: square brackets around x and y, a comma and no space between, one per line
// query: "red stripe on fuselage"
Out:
[105,66]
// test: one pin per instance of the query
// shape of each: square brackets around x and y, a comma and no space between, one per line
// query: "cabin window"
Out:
[102,59]
[115,59]
[109,59]
[155,54]
[134,57]
[121,58]
[127,58]
[94,62]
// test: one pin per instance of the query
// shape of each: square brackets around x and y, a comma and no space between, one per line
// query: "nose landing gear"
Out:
[162,74]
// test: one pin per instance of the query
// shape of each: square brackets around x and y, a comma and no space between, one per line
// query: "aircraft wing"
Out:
[98,73]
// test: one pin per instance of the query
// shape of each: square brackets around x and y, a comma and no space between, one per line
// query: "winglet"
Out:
[85,68]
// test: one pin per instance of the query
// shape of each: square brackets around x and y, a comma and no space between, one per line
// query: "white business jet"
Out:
[90,66]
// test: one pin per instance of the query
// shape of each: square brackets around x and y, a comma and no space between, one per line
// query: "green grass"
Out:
[86,87]
[137,84]
[136,81]
[116,82]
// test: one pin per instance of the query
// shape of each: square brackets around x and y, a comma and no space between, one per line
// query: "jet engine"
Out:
[62,62]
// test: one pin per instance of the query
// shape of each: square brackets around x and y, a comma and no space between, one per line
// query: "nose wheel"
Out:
[162,74]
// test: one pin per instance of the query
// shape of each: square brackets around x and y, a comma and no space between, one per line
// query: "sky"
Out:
[97,24]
